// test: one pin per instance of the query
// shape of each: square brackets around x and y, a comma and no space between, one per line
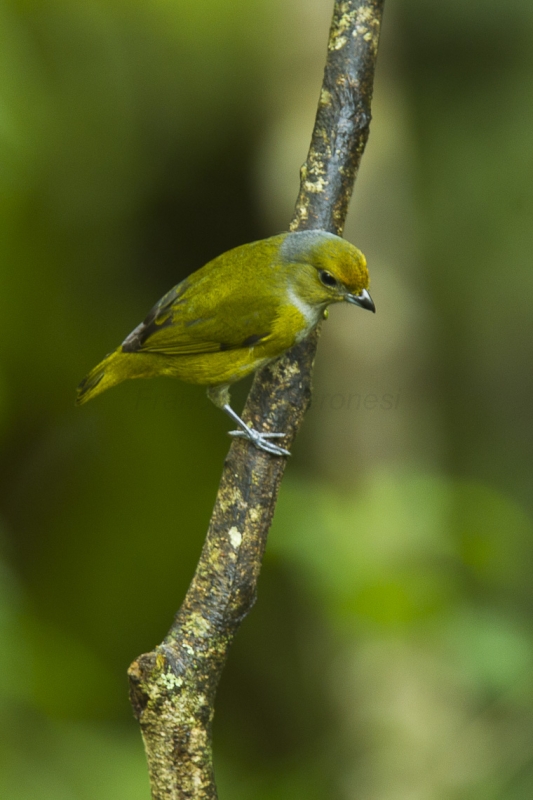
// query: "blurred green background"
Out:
[390,653]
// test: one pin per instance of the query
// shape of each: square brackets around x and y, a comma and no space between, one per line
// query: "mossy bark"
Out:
[173,688]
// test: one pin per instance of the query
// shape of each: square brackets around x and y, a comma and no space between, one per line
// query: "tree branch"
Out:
[173,688]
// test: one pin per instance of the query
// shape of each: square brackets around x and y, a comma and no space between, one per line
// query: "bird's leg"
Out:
[219,395]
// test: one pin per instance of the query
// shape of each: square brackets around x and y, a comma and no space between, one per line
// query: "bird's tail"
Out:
[106,374]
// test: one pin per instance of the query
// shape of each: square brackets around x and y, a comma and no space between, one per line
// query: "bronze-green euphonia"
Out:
[236,314]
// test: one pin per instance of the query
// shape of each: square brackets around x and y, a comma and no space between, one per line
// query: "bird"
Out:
[237,313]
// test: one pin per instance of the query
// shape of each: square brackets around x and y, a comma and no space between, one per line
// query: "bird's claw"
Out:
[244,435]
[260,440]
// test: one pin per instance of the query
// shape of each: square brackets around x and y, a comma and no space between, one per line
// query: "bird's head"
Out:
[328,269]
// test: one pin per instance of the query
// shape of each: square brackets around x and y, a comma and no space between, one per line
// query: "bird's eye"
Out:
[327,278]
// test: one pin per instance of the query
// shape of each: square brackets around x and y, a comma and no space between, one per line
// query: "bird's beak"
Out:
[364,300]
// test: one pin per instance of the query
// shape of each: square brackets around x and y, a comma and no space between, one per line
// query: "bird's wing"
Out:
[190,320]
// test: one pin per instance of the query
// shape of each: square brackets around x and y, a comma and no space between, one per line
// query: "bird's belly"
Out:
[211,369]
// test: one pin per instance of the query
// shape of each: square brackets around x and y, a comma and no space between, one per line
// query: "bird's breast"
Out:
[295,320]
[306,317]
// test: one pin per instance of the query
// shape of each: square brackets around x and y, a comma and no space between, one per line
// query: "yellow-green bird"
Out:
[236,314]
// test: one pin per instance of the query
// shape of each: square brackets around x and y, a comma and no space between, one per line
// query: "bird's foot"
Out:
[261,440]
